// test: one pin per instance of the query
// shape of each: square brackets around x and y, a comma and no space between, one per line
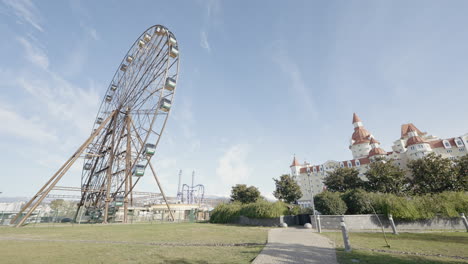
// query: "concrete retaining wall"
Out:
[359,222]
[362,222]
[288,219]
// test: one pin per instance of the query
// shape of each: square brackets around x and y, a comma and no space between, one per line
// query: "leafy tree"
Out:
[58,204]
[385,177]
[461,167]
[65,208]
[433,174]
[287,189]
[358,201]
[329,203]
[343,179]
[242,193]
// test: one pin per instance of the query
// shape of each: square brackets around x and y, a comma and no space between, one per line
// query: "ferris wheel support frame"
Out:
[154,173]
[143,87]
[50,184]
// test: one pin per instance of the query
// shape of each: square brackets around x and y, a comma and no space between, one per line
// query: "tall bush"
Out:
[446,204]
[225,213]
[358,202]
[330,203]
[264,209]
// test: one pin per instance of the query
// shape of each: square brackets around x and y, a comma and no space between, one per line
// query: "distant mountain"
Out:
[14,199]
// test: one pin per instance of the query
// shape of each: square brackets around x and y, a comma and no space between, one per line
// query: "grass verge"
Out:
[142,243]
[437,247]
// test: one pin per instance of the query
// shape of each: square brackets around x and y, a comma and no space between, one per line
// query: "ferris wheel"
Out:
[127,128]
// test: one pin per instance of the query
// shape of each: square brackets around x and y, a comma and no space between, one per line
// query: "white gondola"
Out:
[123,67]
[165,105]
[159,30]
[147,38]
[172,41]
[139,170]
[87,166]
[150,149]
[113,87]
[129,59]
[170,84]
[99,120]
[108,98]
[141,43]
[174,52]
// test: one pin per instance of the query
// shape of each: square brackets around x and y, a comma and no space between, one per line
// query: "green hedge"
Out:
[330,203]
[446,204]
[227,213]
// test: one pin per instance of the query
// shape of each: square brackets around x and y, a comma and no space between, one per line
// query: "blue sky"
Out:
[259,82]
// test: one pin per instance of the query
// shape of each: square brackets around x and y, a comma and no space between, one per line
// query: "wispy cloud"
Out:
[290,68]
[34,53]
[211,19]
[233,167]
[26,11]
[63,101]
[24,128]
[185,119]
[204,41]
[93,33]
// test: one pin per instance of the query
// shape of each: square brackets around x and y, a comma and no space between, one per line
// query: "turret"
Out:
[376,151]
[416,145]
[295,167]
[360,140]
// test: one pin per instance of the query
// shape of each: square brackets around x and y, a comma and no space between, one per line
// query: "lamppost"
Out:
[312,198]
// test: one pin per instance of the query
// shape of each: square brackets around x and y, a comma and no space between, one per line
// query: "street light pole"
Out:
[312,198]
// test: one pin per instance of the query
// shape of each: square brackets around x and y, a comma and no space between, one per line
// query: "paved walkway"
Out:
[296,245]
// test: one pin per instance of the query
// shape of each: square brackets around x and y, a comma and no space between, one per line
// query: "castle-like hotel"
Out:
[412,144]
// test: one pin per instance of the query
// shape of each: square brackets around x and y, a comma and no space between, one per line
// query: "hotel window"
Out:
[459,142]
[350,164]
[315,169]
[446,144]
[357,163]
[341,165]
[462,149]
[449,151]
[321,168]
[420,146]
[412,147]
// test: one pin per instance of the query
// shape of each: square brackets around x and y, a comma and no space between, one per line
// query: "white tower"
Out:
[360,140]
[295,167]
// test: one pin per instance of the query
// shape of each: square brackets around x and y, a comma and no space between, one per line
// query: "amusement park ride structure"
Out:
[194,194]
[127,130]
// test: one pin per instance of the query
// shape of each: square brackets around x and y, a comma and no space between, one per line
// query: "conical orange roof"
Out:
[377,151]
[356,118]
[406,128]
[415,140]
[295,162]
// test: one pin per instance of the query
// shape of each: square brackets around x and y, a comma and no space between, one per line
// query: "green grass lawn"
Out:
[444,244]
[185,243]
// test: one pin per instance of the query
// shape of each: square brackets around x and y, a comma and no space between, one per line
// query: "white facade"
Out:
[412,144]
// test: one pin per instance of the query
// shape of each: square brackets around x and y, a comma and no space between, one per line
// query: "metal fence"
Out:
[134,216]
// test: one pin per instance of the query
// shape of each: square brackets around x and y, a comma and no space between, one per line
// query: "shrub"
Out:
[330,203]
[446,204]
[264,209]
[225,213]
[358,202]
